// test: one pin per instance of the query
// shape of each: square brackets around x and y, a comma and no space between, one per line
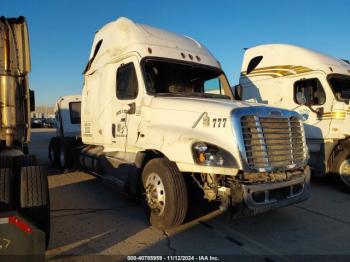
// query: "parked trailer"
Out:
[157,108]
[315,85]
[23,183]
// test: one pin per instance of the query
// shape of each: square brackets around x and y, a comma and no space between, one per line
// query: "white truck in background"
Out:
[315,85]
[157,108]
[24,193]
[68,137]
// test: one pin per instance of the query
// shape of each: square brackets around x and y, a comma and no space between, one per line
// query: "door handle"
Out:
[132,108]
[113,130]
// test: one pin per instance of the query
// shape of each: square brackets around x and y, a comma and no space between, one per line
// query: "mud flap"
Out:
[20,238]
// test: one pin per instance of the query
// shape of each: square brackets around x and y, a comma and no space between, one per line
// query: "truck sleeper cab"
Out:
[157,107]
[315,85]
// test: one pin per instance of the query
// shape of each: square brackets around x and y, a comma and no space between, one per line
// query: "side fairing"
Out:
[97,96]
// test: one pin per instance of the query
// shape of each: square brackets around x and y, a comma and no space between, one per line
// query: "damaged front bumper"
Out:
[258,198]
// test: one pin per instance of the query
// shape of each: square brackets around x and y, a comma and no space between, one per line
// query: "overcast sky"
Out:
[61,31]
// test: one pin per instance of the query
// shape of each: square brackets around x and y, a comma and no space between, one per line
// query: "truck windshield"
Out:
[178,78]
[341,86]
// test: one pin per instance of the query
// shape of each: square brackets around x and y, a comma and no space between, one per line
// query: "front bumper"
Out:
[260,198]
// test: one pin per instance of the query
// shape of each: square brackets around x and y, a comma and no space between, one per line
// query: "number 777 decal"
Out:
[219,122]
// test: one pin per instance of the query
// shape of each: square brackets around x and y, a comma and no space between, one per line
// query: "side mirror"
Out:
[237,91]
[321,97]
[301,99]
[320,111]
[321,100]
[32,100]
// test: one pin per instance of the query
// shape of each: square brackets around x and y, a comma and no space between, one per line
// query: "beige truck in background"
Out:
[24,194]
[315,85]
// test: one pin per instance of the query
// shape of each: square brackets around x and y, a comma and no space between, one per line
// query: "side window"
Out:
[74,112]
[311,90]
[254,63]
[127,86]
[97,48]
[212,86]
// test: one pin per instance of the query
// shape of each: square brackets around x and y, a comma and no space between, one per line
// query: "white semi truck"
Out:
[315,85]
[24,193]
[64,147]
[157,108]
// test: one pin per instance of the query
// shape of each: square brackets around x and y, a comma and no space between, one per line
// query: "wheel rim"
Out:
[155,193]
[344,172]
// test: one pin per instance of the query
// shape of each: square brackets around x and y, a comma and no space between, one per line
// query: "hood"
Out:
[195,104]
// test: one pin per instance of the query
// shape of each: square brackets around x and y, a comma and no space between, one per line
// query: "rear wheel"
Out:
[34,197]
[23,161]
[165,193]
[54,152]
[25,149]
[26,160]
[65,156]
[6,189]
[6,161]
[342,167]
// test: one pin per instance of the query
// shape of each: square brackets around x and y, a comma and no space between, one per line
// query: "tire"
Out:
[54,152]
[342,164]
[6,162]
[25,149]
[34,198]
[26,160]
[65,156]
[6,189]
[162,175]
[23,161]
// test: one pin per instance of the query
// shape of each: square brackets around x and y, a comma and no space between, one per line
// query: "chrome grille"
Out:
[273,142]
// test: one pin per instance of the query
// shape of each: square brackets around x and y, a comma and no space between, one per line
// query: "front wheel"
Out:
[342,167]
[165,193]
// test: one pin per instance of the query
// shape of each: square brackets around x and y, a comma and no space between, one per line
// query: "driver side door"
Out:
[125,102]
[314,107]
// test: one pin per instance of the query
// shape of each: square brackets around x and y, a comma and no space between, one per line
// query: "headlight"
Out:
[211,155]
